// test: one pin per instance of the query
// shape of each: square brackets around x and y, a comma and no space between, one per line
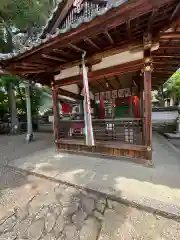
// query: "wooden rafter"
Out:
[27,72]
[74,47]
[117,79]
[33,65]
[44,64]
[108,37]
[93,88]
[28,67]
[101,85]
[90,42]
[57,59]
[63,53]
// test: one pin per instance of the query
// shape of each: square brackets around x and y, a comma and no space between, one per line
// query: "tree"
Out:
[8,83]
[20,22]
[172,87]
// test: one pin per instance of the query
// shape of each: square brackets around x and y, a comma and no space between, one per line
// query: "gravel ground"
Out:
[34,208]
[13,147]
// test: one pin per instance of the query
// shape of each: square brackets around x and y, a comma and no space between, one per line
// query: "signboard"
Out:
[119,93]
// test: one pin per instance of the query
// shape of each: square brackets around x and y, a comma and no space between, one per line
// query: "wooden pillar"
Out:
[56,121]
[130,106]
[147,107]
[102,109]
[141,102]
[147,72]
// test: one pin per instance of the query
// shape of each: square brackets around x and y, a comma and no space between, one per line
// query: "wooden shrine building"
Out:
[131,46]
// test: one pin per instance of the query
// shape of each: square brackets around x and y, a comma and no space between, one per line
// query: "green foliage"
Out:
[20,19]
[25,13]
[36,95]
[21,16]
[173,86]
[3,102]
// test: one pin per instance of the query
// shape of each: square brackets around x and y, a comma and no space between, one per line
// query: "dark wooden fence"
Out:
[123,130]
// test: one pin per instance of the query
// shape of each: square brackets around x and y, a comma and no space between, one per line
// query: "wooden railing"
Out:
[122,130]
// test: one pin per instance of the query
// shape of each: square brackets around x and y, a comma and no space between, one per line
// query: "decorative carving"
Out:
[147,67]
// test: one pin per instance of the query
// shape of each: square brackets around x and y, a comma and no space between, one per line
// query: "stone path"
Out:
[34,208]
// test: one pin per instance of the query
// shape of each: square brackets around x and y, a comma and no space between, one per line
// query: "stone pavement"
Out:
[34,208]
[155,188]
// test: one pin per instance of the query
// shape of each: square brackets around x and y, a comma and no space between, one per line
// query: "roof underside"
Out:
[117,30]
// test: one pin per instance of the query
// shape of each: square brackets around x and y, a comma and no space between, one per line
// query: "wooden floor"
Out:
[108,148]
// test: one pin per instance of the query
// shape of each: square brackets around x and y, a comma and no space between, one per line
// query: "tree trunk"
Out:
[29,136]
[13,111]
[23,102]
[162,102]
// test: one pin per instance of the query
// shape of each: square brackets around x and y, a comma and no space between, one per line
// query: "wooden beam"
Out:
[74,47]
[108,37]
[63,53]
[165,72]
[56,122]
[35,65]
[24,71]
[101,86]
[168,35]
[167,69]
[170,47]
[147,110]
[69,94]
[166,56]
[166,62]
[53,58]
[108,72]
[117,79]
[90,42]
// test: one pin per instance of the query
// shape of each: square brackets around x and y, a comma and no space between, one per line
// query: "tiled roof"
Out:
[39,41]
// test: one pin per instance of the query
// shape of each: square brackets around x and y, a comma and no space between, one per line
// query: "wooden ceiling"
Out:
[118,30]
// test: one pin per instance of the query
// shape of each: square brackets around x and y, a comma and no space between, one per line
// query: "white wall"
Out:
[117,59]
[169,116]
